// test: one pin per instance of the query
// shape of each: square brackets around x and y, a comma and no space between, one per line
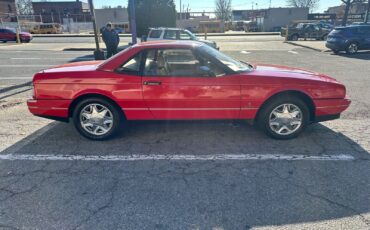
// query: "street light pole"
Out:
[98,53]
[133,21]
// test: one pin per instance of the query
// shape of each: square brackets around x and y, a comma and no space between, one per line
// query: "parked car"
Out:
[349,39]
[46,28]
[306,31]
[8,34]
[174,80]
[176,34]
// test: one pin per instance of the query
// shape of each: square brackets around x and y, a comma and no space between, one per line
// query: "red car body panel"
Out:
[235,96]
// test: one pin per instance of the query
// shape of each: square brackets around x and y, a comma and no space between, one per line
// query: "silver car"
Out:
[176,34]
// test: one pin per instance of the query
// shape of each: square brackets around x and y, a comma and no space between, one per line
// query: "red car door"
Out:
[177,84]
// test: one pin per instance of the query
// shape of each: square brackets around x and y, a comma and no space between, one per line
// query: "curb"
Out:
[307,47]
[6,89]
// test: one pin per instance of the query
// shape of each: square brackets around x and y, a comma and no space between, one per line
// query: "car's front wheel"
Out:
[284,118]
[352,48]
[97,119]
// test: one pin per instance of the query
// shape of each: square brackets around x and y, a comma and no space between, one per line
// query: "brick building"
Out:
[77,11]
[8,10]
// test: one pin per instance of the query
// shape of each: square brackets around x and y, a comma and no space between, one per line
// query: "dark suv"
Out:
[349,39]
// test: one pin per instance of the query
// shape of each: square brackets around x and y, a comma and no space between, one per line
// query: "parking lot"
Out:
[184,174]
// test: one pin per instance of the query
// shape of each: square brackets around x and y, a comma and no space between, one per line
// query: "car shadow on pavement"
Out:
[212,194]
[363,55]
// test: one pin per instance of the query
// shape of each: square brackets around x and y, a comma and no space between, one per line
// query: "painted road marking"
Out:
[293,52]
[245,52]
[175,157]
[27,58]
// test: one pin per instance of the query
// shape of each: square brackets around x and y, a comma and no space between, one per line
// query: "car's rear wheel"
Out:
[352,48]
[284,118]
[294,37]
[97,119]
[336,51]
[325,37]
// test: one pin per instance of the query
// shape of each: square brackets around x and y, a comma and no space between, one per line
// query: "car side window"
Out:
[155,34]
[132,66]
[180,63]
[170,34]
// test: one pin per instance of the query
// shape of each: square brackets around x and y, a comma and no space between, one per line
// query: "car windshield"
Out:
[192,35]
[233,64]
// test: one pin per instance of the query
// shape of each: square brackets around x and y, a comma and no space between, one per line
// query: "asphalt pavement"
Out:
[185,174]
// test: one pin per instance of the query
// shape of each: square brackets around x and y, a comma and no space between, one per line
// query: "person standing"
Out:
[111,39]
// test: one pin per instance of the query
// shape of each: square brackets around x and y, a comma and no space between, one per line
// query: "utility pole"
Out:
[98,53]
[270,4]
[133,22]
[252,5]
[367,12]
[180,11]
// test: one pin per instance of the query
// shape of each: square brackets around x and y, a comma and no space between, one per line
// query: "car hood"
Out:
[290,73]
[210,43]
[75,67]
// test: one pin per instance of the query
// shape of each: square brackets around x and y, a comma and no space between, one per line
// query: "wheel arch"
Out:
[292,93]
[82,97]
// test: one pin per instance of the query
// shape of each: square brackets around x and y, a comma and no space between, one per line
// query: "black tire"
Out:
[294,37]
[335,51]
[352,48]
[266,111]
[116,116]
[325,37]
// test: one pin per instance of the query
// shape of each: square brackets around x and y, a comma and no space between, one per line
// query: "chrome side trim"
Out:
[334,106]
[186,109]
[53,108]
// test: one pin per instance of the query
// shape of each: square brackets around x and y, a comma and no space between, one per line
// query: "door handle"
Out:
[152,83]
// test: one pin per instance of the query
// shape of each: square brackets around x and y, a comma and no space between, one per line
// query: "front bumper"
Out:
[340,46]
[330,107]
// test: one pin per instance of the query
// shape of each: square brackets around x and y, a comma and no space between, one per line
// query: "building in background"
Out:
[356,12]
[8,11]
[118,16]
[62,11]
[271,19]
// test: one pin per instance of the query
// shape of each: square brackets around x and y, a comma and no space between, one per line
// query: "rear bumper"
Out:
[329,109]
[55,109]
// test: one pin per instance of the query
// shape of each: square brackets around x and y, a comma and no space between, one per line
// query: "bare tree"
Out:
[223,9]
[348,4]
[367,12]
[24,7]
[311,4]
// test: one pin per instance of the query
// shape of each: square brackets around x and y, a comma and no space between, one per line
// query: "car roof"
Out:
[169,43]
[166,28]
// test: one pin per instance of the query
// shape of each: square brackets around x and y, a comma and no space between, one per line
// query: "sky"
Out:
[208,5]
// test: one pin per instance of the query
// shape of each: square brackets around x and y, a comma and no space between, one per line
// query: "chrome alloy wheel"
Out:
[352,48]
[96,119]
[285,119]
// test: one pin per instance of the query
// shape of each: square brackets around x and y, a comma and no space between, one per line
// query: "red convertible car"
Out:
[168,80]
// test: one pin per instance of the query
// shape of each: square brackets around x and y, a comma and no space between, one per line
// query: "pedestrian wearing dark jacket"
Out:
[111,39]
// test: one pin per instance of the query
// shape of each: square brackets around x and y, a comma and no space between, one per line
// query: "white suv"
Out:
[175,34]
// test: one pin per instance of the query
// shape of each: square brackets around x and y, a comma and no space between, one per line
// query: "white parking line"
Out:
[292,52]
[26,58]
[138,157]
[245,52]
